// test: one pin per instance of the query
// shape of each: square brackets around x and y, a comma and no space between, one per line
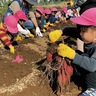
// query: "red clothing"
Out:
[4,36]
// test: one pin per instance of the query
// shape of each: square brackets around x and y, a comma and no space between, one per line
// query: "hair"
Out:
[84,28]
[39,12]
[26,4]
[68,3]
[25,1]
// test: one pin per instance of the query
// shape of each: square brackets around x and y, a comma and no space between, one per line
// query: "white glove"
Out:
[23,31]
[38,32]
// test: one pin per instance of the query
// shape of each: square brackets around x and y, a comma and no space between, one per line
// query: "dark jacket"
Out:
[87,61]
[88,4]
[52,19]
[41,21]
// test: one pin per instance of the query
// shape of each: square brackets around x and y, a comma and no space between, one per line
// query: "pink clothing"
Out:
[87,18]
[58,14]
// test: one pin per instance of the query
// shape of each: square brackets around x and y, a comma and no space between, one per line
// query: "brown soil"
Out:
[26,78]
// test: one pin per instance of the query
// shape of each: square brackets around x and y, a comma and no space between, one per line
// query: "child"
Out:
[50,15]
[47,14]
[87,59]
[61,15]
[70,14]
[54,11]
[21,18]
[69,6]
[82,6]
[10,25]
[52,18]
[39,13]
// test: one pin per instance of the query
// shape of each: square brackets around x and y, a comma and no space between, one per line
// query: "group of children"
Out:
[15,21]
[24,24]
[53,15]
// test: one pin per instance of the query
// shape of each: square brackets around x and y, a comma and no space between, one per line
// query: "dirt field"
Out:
[27,78]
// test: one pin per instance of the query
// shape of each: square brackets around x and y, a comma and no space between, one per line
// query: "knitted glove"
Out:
[65,51]
[55,35]
[51,24]
[19,37]
[43,30]
[31,35]
[46,25]
[12,50]
[57,22]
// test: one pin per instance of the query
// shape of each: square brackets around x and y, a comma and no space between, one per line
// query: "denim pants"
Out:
[29,24]
[89,92]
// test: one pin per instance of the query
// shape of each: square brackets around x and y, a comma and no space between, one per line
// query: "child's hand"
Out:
[44,30]
[19,37]
[55,35]
[48,23]
[31,35]
[57,22]
[51,24]
[65,51]
[46,26]
[12,50]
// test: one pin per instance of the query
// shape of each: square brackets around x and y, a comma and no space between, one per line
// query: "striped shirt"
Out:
[4,35]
